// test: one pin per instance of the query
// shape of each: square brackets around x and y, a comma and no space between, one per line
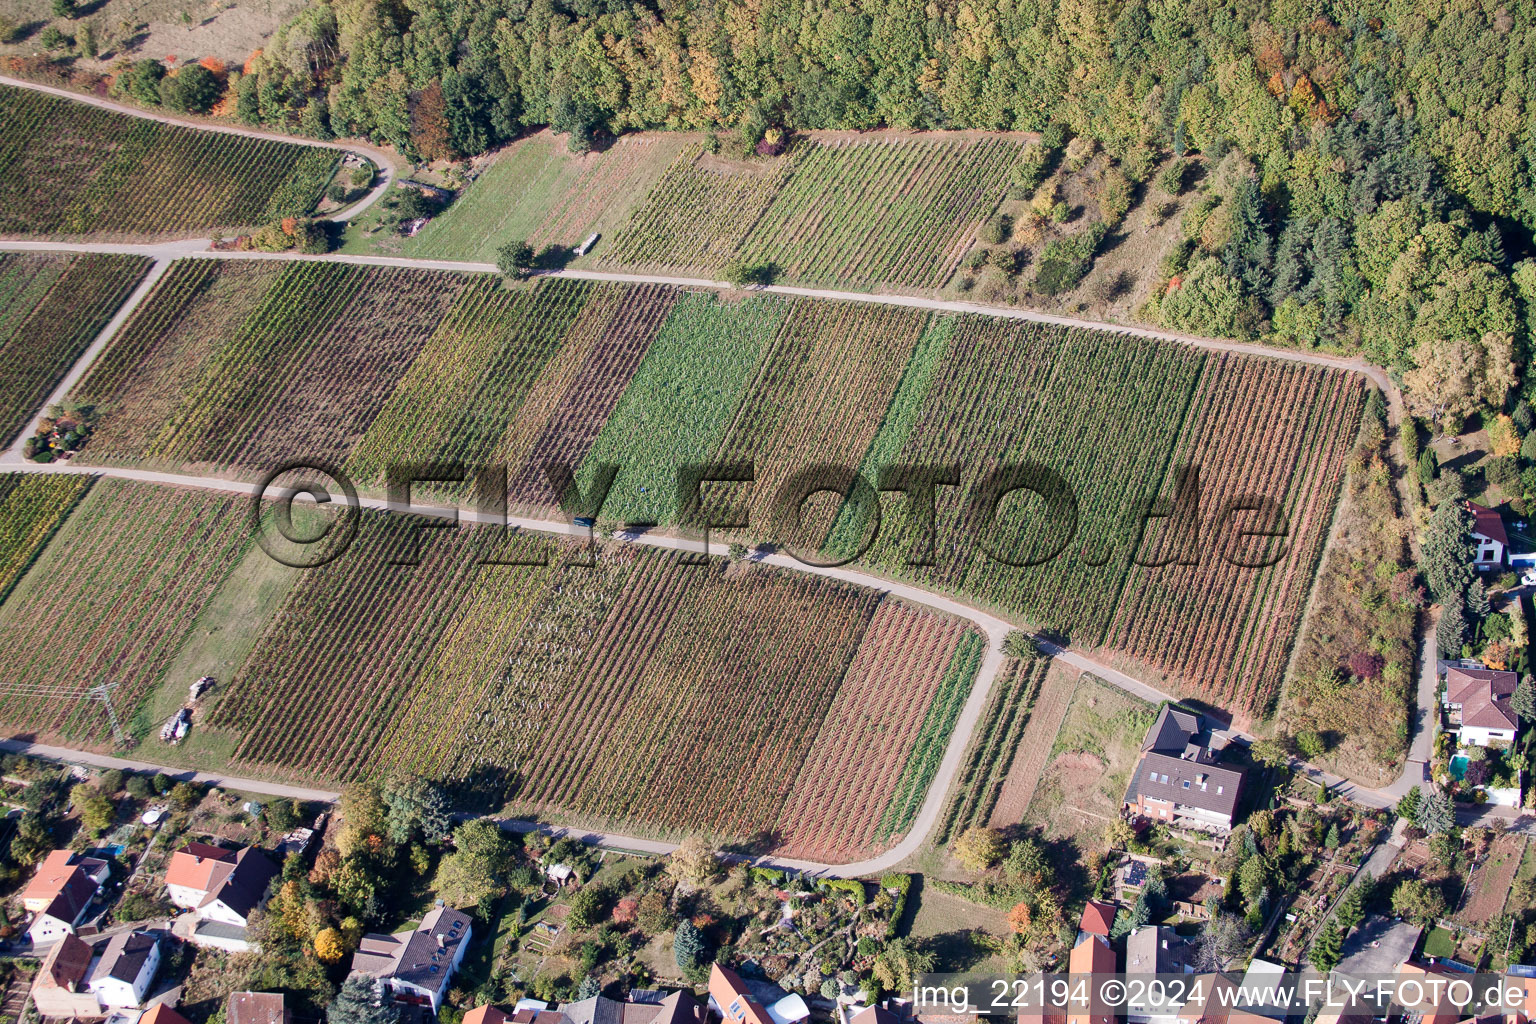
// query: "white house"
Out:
[122,975]
[1477,705]
[415,967]
[1488,533]
[221,887]
[59,893]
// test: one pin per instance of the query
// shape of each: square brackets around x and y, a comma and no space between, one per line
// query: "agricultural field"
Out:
[995,746]
[1225,624]
[865,211]
[536,190]
[112,598]
[31,508]
[51,308]
[235,366]
[583,692]
[71,170]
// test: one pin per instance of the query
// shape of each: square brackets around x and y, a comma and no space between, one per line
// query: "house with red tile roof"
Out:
[59,893]
[59,988]
[219,885]
[1098,919]
[258,1008]
[1091,955]
[1477,705]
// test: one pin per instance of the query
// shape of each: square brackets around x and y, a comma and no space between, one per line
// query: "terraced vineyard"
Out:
[642,693]
[71,170]
[52,306]
[884,209]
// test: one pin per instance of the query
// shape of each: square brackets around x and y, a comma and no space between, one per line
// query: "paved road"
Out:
[382,158]
[71,756]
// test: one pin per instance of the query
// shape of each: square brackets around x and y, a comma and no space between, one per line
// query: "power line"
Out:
[101,692]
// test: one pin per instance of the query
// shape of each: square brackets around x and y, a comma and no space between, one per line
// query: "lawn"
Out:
[1095,751]
[1440,942]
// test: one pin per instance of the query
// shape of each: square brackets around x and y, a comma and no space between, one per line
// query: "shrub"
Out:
[1171,180]
[996,230]
[742,274]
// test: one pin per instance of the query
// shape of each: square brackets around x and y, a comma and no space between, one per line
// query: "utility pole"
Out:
[102,692]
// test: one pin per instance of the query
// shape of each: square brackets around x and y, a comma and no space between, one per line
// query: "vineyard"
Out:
[642,693]
[31,508]
[112,597]
[991,754]
[883,209]
[1263,429]
[69,169]
[51,308]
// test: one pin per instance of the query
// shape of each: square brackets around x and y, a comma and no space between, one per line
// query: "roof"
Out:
[595,1010]
[124,956]
[486,1014]
[423,957]
[193,865]
[789,1009]
[73,897]
[1092,956]
[56,872]
[1484,696]
[875,1015]
[66,964]
[162,1014]
[1487,522]
[1172,730]
[678,1008]
[1379,946]
[241,885]
[734,1000]
[1191,783]
[1152,949]
[1098,918]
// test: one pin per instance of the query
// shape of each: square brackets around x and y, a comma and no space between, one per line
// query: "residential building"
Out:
[1477,705]
[415,967]
[486,1014]
[1098,919]
[53,874]
[1152,950]
[162,1014]
[1178,780]
[1520,979]
[677,1008]
[874,1015]
[1213,999]
[59,892]
[59,988]
[1429,1005]
[121,975]
[64,911]
[1091,955]
[733,1000]
[1489,536]
[218,884]
[257,1008]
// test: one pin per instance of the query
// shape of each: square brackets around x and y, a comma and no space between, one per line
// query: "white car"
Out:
[1528,578]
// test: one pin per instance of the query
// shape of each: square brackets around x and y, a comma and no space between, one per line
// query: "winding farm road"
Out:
[994,628]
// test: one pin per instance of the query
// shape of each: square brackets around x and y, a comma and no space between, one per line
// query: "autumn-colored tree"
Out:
[329,946]
[1020,918]
[979,848]
[693,861]
[430,131]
